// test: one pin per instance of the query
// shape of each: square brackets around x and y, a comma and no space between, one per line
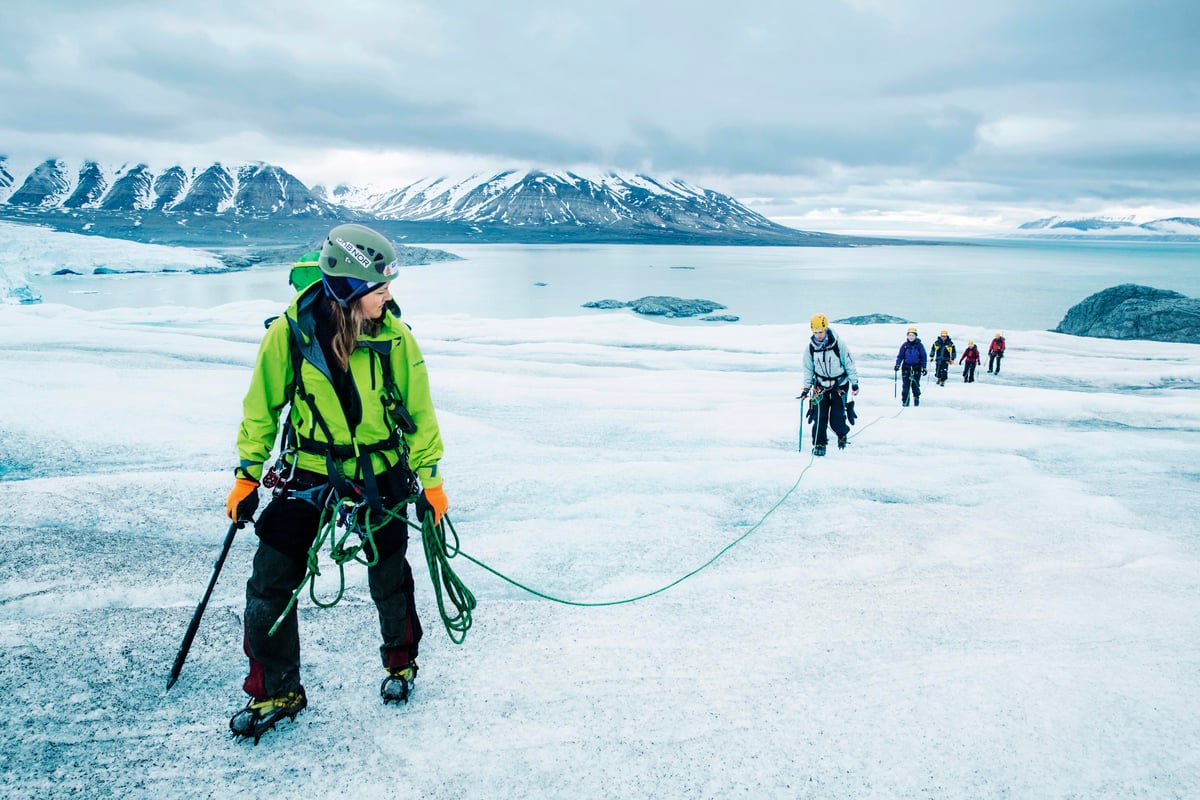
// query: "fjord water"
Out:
[995,283]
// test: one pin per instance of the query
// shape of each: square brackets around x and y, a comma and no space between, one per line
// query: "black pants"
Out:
[994,358]
[910,375]
[969,371]
[831,413]
[286,530]
[943,370]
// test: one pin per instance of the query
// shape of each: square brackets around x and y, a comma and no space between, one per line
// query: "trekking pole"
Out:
[803,398]
[895,382]
[195,623]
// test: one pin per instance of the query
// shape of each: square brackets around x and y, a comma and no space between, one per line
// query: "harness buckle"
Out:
[345,519]
[277,480]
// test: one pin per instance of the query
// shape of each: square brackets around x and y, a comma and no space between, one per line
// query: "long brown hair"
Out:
[348,324]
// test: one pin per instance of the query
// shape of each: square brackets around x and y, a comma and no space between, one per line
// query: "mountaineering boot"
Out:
[841,443]
[398,685]
[917,400]
[906,404]
[260,716]
[818,449]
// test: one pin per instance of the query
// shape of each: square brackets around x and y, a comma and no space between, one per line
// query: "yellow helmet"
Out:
[998,336]
[819,322]
[944,333]
[970,342]
[910,330]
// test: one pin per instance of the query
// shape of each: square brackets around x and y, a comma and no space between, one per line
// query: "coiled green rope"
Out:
[339,521]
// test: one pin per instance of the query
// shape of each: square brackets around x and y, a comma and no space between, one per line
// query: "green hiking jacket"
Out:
[272,387]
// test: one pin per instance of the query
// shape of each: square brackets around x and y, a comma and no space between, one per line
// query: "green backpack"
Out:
[306,271]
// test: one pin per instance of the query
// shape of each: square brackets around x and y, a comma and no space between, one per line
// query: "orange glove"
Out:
[433,500]
[242,501]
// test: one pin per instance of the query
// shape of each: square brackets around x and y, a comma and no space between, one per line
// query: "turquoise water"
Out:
[1002,284]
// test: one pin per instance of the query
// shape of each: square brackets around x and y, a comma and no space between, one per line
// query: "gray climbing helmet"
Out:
[356,251]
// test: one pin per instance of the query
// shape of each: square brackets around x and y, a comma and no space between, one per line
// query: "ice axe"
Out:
[195,623]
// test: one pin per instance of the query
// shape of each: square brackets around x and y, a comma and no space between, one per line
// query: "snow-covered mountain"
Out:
[1113,227]
[560,199]
[202,206]
[250,190]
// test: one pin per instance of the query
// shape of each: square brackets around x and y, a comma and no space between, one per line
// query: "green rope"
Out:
[441,575]
[662,589]
[677,581]
[447,586]
[340,521]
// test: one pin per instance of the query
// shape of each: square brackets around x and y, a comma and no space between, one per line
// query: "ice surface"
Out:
[996,594]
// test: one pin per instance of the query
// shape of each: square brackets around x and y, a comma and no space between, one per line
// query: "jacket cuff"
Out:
[429,476]
[249,470]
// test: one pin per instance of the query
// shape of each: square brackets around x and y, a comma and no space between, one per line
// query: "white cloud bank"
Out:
[1021,110]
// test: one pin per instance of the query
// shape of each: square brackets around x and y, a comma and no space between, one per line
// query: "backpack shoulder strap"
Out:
[812,350]
[400,417]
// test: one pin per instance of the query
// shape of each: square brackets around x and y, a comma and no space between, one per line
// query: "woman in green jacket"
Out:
[360,435]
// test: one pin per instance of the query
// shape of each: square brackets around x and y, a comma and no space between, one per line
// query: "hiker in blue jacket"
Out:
[829,376]
[911,359]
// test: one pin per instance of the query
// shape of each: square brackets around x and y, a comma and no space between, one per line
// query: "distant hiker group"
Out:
[830,375]
[942,353]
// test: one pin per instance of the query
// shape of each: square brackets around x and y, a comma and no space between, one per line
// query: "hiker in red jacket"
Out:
[995,353]
[970,360]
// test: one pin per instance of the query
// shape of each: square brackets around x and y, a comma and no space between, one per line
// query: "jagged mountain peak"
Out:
[253,189]
[567,198]
[537,205]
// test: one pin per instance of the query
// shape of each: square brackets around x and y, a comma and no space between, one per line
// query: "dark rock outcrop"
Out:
[1130,311]
[661,306]
[872,319]
[606,305]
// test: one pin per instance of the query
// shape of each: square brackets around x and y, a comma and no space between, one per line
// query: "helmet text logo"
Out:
[355,253]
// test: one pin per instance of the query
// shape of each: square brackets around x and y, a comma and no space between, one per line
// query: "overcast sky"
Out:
[841,115]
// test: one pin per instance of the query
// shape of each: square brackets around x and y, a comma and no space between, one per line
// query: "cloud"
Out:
[1036,102]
